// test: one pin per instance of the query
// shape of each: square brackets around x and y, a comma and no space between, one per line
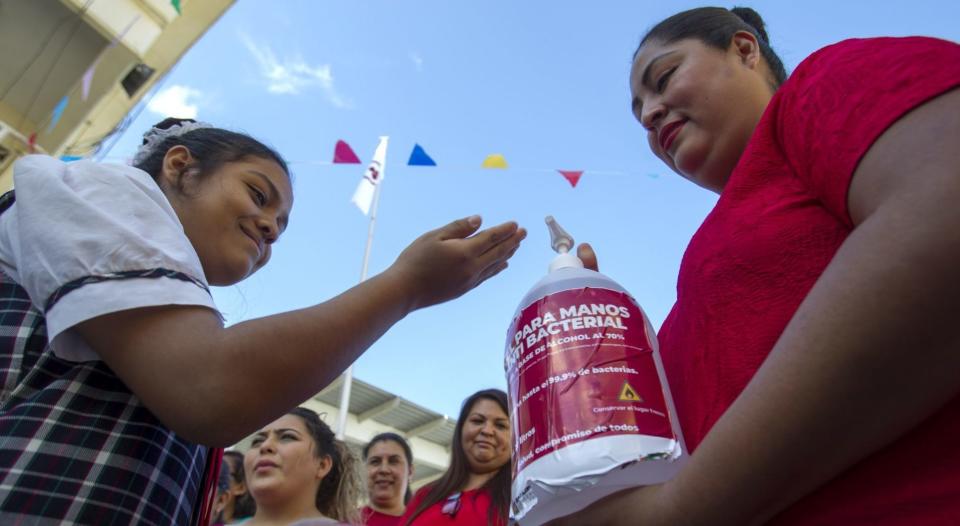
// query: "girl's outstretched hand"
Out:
[447,262]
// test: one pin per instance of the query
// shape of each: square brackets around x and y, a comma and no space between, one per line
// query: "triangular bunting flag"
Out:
[496,161]
[58,112]
[573,176]
[418,157]
[176,5]
[32,142]
[87,79]
[343,154]
[70,158]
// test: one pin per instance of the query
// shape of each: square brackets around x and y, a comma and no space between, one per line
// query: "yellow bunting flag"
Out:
[495,160]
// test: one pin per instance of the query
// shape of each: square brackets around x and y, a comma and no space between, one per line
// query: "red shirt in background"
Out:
[778,223]
[372,517]
[473,510]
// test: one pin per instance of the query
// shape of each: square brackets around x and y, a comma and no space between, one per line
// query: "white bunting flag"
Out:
[363,196]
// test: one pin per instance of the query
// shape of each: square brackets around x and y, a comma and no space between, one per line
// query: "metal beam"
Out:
[332,386]
[426,428]
[379,410]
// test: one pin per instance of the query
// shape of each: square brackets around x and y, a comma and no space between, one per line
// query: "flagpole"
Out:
[348,374]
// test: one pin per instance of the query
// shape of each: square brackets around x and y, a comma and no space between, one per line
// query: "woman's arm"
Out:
[214,385]
[871,352]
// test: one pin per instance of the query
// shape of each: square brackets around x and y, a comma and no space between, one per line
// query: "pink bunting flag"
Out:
[88,78]
[344,154]
[572,176]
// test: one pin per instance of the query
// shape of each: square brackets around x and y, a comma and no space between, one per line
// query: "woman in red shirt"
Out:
[813,352]
[475,490]
[389,462]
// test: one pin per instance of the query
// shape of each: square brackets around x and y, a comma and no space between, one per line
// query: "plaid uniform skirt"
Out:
[76,446]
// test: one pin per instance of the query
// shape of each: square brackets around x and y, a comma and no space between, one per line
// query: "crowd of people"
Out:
[296,472]
[811,351]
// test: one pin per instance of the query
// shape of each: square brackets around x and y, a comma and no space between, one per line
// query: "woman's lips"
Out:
[669,133]
[264,464]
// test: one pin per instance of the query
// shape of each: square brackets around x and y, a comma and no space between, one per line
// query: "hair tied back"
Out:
[753,19]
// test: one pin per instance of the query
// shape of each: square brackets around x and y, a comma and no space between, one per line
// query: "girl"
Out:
[115,367]
[812,351]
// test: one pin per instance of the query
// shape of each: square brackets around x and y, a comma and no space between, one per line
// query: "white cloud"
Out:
[175,101]
[417,60]
[292,75]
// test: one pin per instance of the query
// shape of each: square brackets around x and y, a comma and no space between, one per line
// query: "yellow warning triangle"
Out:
[629,394]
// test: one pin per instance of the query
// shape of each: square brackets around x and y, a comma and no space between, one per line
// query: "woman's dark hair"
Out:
[339,491]
[243,505]
[715,27]
[223,481]
[210,148]
[407,452]
[456,476]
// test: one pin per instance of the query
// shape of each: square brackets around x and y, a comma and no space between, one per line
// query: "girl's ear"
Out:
[745,45]
[175,164]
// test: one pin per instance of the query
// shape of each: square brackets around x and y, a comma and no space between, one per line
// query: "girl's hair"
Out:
[339,491]
[210,148]
[399,440]
[456,476]
[715,27]
[244,505]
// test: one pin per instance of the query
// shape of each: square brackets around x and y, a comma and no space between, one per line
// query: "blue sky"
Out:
[543,83]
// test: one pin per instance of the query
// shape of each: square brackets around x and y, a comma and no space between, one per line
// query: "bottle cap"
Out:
[562,242]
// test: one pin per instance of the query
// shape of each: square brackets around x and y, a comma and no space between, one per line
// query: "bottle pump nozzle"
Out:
[562,242]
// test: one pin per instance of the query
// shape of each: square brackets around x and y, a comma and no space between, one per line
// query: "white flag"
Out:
[363,196]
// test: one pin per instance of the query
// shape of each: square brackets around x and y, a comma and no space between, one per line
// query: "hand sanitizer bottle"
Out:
[591,412]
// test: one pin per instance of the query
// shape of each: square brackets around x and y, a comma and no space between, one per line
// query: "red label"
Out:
[580,366]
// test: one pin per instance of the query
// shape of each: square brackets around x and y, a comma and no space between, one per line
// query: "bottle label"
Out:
[579,366]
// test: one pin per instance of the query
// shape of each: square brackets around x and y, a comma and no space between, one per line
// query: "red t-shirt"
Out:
[779,221]
[473,510]
[372,517]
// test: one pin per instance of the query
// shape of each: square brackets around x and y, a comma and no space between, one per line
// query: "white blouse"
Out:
[86,239]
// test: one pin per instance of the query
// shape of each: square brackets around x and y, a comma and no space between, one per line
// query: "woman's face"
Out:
[232,215]
[281,464]
[388,474]
[486,437]
[700,104]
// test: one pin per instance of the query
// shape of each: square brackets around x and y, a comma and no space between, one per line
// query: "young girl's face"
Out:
[699,104]
[233,215]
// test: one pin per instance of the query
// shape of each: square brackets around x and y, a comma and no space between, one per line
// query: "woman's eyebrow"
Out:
[645,78]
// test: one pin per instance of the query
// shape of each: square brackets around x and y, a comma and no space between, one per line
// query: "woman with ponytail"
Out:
[297,471]
[813,352]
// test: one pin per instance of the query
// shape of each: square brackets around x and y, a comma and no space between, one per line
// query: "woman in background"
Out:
[389,462]
[239,505]
[475,490]
[297,471]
